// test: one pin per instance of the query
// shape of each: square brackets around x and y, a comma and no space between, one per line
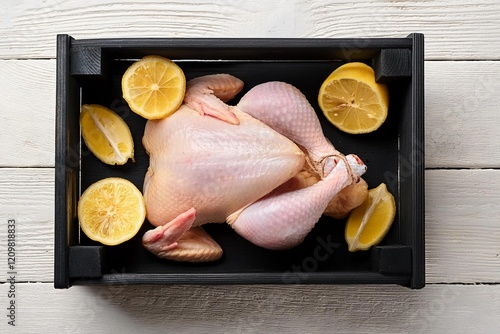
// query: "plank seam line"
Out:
[463,283]
[15,59]
[26,167]
[235,285]
[463,168]
[464,60]
[27,282]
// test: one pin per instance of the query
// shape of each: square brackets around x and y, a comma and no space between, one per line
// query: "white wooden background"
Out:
[462,72]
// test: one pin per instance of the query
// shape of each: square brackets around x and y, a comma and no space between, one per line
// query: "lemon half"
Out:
[351,99]
[154,87]
[111,211]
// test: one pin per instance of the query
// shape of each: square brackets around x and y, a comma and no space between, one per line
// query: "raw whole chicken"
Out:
[211,162]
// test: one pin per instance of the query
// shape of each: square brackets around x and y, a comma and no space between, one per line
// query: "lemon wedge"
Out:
[106,134]
[111,211]
[351,99]
[368,224]
[154,87]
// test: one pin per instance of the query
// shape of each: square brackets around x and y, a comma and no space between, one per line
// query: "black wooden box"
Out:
[89,71]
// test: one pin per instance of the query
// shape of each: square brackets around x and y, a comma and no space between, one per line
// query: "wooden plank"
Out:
[455,113]
[462,231]
[256,309]
[461,116]
[466,30]
[462,234]
[27,196]
[27,113]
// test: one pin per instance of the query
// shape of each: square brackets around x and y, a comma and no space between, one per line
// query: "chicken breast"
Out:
[218,168]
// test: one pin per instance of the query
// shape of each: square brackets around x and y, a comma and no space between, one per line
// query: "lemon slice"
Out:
[106,134]
[154,87]
[111,211]
[368,224]
[351,99]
